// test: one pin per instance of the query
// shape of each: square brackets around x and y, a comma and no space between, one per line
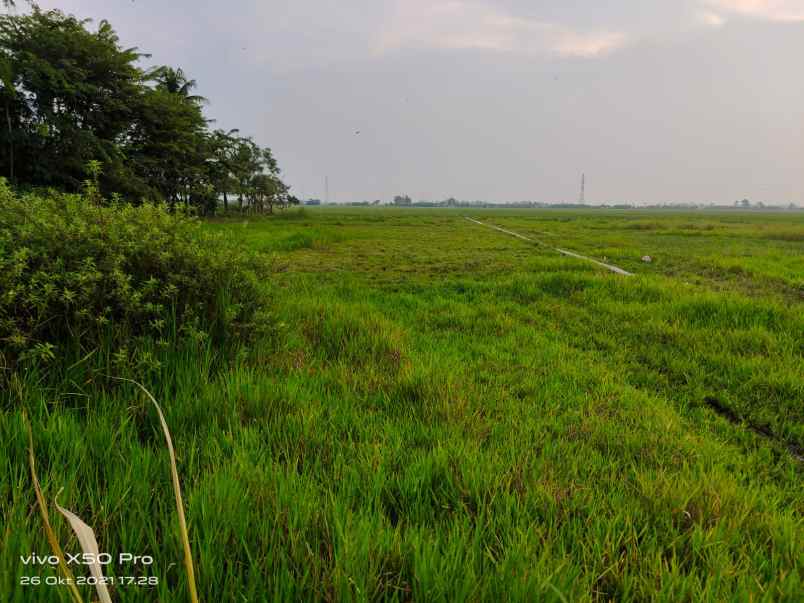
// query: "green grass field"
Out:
[447,413]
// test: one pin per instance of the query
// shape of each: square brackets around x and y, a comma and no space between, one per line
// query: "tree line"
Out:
[71,97]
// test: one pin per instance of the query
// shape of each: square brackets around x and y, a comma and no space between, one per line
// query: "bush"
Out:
[77,277]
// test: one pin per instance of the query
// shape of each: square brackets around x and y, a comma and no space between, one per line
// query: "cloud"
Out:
[571,43]
[769,10]
[473,24]
[711,19]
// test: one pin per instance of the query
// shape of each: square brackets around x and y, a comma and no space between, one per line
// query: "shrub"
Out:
[77,277]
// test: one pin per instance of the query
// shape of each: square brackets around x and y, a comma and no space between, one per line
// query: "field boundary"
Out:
[720,409]
[566,252]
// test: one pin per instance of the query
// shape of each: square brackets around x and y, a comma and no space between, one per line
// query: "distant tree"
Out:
[222,147]
[745,203]
[166,145]
[266,190]
[175,81]
[245,163]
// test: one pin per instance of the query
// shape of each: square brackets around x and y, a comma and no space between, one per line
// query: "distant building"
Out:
[312,202]
[404,201]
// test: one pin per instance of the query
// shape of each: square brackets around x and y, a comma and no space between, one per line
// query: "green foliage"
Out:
[71,95]
[77,277]
[70,99]
[92,185]
[167,144]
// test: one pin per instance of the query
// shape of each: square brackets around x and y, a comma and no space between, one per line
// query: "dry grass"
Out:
[51,535]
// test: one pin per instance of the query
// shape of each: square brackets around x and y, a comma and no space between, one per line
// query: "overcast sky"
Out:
[499,100]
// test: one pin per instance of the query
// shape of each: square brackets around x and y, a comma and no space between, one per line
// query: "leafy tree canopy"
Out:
[71,95]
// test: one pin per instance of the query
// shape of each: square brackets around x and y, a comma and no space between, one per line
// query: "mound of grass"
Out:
[76,277]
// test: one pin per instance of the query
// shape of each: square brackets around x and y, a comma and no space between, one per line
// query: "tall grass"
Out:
[450,414]
[85,534]
[43,510]
[185,538]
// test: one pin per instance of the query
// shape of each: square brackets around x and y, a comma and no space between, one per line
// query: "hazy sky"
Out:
[655,100]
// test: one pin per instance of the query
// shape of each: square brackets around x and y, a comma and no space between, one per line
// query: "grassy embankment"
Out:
[452,414]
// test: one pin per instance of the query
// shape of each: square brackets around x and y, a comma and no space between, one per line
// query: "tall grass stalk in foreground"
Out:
[188,555]
[51,535]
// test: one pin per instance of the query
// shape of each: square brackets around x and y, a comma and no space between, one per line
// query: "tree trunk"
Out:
[225,202]
[10,145]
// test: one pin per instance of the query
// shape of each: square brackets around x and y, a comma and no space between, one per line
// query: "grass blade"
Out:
[89,545]
[51,535]
[188,555]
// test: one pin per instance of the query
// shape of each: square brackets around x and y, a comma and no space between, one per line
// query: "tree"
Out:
[11,105]
[257,176]
[72,97]
[175,81]
[222,148]
[166,144]
[67,99]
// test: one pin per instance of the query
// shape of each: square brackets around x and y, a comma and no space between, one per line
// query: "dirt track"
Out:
[561,251]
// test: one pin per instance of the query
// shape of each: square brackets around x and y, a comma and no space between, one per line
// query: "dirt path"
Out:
[561,251]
